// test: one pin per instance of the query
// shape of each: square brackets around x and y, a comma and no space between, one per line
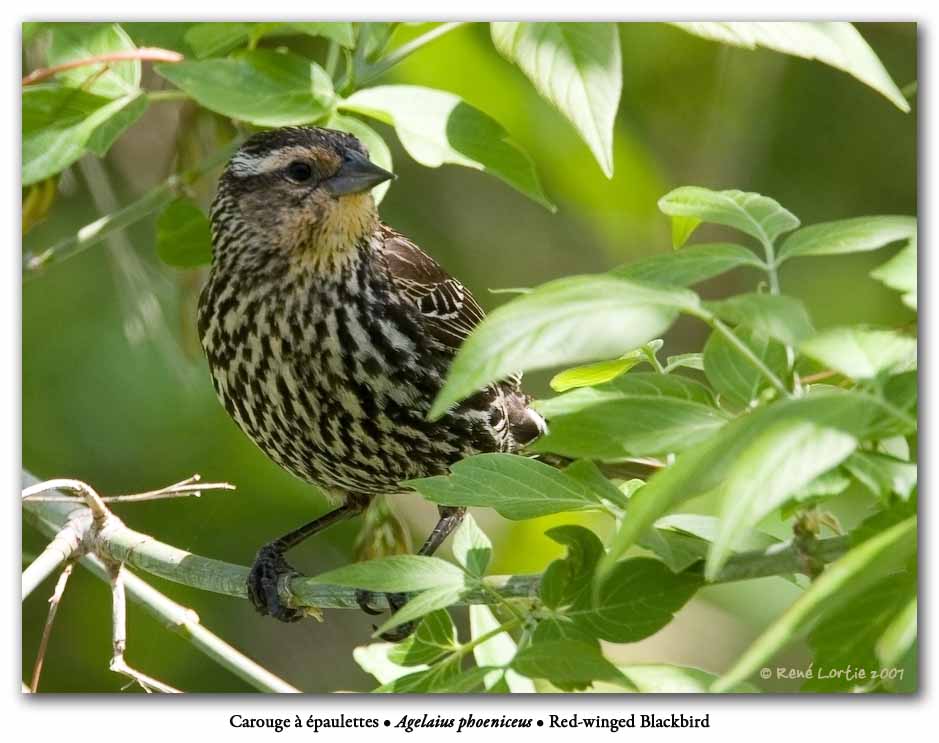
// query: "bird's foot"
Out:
[395,602]
[267,574]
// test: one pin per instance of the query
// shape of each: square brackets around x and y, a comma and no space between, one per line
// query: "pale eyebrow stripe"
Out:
[245,164]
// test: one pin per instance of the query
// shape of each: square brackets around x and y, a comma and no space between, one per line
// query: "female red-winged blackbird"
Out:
[328,336]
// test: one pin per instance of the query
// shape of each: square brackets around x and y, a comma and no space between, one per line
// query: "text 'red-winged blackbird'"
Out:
[329,335]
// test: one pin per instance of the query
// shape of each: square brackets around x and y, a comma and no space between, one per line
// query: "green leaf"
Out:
[339,31]
[517,487]
[733,375]
[425,681]
[685,360]
[375,660]
[837,44]
[431,600]
[585,471]
[634,415]
[108,132]
[184,236]
[899,636]
[900,273]
[658,678]
[682,229]
[435,637]
[471,547]
[398,573]
[640,597]
[758,216]
[209,39]
[437,127]
[882,475]
[567,663]
[60,123]
[848,637]
[261,87]
[706,466]
[577,67]
[567,321]
[774,315]
[846,236]
[862,353]
[852,573]
[378,151]
[566,582]
[778,462]
[690,266]
[590,375]
[498,650]
[78,41]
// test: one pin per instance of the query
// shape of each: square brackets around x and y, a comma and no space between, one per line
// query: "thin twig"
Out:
[144,53]
[119,637]
[54,601]
[818,377]
[72,530]
[191,486]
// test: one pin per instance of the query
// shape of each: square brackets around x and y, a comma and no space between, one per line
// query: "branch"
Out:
[122,544]
[149,54]
[73,526]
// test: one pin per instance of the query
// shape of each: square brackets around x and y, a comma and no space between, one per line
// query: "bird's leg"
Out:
[450,518]
[270,567]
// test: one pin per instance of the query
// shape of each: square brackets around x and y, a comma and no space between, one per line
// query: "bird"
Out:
[328,335]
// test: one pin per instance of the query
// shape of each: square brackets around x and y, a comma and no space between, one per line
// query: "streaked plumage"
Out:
[329,335]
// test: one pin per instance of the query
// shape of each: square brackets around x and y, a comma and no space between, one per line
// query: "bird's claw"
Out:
[395,602]
[264,581]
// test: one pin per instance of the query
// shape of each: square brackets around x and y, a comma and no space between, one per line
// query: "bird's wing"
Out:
[449,310]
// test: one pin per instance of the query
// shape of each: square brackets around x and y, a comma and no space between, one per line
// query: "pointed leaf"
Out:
[575,66]
[773,315]
[471,547]
[900,273]
[634,415]
[60,124]
[847,236]
[754,214]
[437,127]
[517,487]
[689,266]
[835,43]
[567,321]
[261,87]
[862,353]
[733,375]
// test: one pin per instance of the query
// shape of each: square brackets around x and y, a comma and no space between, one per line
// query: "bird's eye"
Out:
[299,171]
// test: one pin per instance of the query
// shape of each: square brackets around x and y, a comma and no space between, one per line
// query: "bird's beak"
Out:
[356,175]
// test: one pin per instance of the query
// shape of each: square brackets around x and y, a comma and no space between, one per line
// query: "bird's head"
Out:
[302,191]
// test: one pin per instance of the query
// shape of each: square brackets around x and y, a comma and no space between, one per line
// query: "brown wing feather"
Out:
[449,310]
